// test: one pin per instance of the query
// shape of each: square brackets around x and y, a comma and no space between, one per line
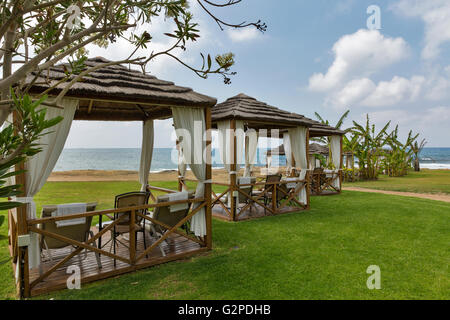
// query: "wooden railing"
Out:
[322,182]
[12,236]
[273,198]
[132,213]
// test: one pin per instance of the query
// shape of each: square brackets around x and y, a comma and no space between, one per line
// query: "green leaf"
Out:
[10,205]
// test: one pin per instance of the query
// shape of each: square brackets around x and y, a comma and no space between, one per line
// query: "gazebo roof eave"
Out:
[314,133]
[257,113]
[262,124]
[118,93]
[138,110]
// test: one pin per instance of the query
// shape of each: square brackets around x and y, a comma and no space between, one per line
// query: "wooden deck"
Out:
[176,247]
[326,193]
[256,212]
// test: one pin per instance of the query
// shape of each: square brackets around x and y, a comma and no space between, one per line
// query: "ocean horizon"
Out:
[165,159]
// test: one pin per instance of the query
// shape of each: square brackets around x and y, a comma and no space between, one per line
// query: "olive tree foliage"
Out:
[37,34]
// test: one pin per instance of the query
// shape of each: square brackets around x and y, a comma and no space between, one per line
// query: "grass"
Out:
[426,181]
[320,254]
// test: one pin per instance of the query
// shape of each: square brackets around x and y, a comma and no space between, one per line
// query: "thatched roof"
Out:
[320,130]
[260,115]
[119,93]
[314,148]
[257,114]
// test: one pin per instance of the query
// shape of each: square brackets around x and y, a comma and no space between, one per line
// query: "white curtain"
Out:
[39,167]
[287,150]
[181,164]
[148,135]
[240,142]
[190,127]
[224,136]
[269,161]
[303,197]
[312,162]
[335,147]
[251,148]
[225,143]
[298,145]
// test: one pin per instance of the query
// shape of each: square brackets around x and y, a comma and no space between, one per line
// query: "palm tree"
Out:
[327,140]
[416,149]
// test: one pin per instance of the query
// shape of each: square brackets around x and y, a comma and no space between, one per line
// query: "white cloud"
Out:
[399,89]
[355,91]
[432,124]
[436,16]
[244,34]
[422,120]
[359,54]
[365,93]
[439,88]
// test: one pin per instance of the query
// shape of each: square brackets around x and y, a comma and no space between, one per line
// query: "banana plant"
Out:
[398,158]
[349,146]
[369,149]
[416,148]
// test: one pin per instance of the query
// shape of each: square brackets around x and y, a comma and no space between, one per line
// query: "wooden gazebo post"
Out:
[308,191]
[342,163]
[208,186]
[23,289]
[293,165]
[180,179]
[233,170]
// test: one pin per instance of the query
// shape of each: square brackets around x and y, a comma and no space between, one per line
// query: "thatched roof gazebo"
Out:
[242,120]
[256,114]
[114,93]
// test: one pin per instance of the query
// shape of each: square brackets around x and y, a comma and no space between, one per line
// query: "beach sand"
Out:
[219,175]
[120,175]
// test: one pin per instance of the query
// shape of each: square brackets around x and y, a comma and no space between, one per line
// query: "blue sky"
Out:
[315,56]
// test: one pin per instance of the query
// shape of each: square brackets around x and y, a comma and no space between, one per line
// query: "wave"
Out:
[435,166]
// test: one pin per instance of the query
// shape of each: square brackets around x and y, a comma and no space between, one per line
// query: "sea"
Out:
[166,159]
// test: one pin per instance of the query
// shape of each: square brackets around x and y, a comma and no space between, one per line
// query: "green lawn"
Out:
[426,181]
[320,254]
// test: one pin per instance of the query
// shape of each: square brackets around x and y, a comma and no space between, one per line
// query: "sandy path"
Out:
[429,196]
